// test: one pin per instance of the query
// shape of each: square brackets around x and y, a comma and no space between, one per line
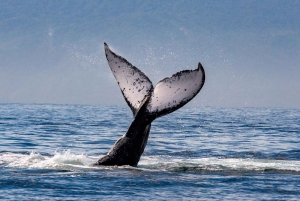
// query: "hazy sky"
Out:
[52,51]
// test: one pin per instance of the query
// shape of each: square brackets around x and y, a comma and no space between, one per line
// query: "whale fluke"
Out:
[169,94]
[147,104]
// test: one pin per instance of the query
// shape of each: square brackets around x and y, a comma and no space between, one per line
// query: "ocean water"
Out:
[200,153]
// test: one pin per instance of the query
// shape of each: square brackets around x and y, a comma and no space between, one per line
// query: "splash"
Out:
[60,160]
[66,160]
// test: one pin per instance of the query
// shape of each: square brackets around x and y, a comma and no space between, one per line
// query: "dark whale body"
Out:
[147,104]
[128,149]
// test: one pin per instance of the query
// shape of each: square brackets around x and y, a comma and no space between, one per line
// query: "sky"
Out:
[52,51]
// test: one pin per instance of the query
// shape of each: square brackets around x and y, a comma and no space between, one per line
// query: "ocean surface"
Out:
[202,153]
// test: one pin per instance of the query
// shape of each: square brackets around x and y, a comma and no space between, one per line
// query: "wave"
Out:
[222,165]
[67,161]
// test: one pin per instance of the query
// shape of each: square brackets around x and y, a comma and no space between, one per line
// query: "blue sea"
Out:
[203,153]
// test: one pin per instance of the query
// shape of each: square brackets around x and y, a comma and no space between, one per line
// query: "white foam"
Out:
[60,160]
[164,163]
[65,160]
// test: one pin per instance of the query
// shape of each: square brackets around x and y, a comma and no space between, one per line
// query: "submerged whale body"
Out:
[147,103]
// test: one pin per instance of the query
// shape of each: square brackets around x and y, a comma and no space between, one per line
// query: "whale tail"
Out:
[169,94]
[147,103]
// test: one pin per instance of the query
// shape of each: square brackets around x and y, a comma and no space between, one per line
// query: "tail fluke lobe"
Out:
[173,92]
[134,84]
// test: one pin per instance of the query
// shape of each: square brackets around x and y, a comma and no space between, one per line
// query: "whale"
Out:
[147,103]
